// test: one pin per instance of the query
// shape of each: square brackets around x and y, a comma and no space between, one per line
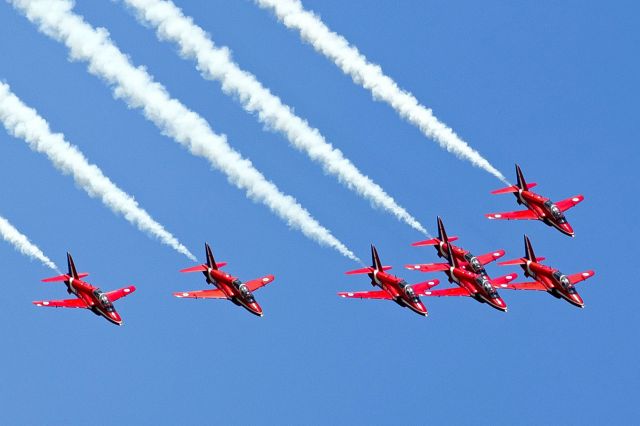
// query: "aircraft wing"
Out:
[380,294]
[69,303]
[120,293]
[420,288]
[565,205]
[505,279]
[253,285]
[491,257]
[428,267]
[534,285]
[201,294]
[581,276]
[519,215]
[457,291]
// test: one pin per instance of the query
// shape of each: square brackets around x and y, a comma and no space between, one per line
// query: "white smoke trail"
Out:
[137,88]
[370,76]
[215,63]
[25,123]
[22,243]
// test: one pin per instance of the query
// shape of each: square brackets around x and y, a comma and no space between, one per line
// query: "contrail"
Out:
[138,89]
[22,243]
[215,63]
[24,122]
[370,76]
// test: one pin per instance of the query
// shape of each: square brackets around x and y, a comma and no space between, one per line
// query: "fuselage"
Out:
[464,257]
[478,285]
[96,300]
[555,282]
[545,209]
[234,289]
[402,293]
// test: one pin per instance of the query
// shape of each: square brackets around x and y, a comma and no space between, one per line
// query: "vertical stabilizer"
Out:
[442,234]
[72,267]
[522,184]
[211,262]
[528,250]
[375,259]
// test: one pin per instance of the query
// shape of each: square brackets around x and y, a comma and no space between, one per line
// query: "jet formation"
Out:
[461,267]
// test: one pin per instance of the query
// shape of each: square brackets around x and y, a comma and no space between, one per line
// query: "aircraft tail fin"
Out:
[442,234]
[375,259]
[528,249]
[211,262]
[521,184]
[72,267]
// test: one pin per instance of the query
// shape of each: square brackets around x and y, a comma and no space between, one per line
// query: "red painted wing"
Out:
[581,276]
[458,291]
[380,294]
[422,287]
[525,286]
[519,215]
[120,293]
[428,267]
[201,294]
[69,303]
[253,285]
[505,279]
[491,257]
[565,205]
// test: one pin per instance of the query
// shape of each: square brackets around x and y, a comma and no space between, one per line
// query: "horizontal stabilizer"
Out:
[511,189]
[366,270]
[199,268]
[432,242]
[54,279]
[520,261]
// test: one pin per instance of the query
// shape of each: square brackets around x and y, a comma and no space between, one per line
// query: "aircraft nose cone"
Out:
[115,317]
[568,229]
[421,308]
[500,304]
[577,300]
[256,309]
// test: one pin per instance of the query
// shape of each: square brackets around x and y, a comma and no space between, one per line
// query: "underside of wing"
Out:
[253,285]
[581,276]
[490,257]
[519,215]
[120,293]
[458,291]
[534,285]
[201,294]
[380,294]
[69,303]
[565,205]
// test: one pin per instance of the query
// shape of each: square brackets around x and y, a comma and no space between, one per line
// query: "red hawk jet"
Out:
[546,278]
[393,288]
[472,284]
[88,296]
[539,207]
[228,286]
[465,258]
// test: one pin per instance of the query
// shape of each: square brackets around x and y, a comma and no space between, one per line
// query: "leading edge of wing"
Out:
[380,294]
[68,303]
[201,294]
[518,215]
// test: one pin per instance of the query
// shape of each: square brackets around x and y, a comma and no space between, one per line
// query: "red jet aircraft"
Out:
[479,286]
[88,296]
[393,288]
[546,278]
[465,258]
[539,207]
[228,286]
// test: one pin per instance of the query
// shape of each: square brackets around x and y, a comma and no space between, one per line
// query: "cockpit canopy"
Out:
[564,282]
[555,211]
[244,290]
[484,282]
[408,290]
[103,299]
[474,263]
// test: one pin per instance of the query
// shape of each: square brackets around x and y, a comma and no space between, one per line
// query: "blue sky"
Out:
[551,86]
